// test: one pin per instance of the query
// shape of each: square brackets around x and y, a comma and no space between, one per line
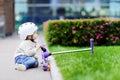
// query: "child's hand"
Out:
[43,49]
[37,46]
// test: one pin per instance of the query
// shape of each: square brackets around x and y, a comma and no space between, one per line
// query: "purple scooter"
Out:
[46,54]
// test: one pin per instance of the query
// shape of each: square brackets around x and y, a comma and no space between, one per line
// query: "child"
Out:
[26,51]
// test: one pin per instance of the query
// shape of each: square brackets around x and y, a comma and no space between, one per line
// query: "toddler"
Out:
[26,51]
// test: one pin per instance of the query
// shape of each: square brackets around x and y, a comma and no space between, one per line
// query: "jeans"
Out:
[28,61]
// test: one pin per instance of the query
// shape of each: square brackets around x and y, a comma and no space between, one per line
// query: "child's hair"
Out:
[27,38]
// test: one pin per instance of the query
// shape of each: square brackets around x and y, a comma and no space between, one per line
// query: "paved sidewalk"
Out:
[7,72]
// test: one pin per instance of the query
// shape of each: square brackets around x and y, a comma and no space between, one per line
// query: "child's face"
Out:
[35,35]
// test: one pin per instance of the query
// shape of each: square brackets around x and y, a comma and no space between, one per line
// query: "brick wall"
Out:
[7,11]
[1,7]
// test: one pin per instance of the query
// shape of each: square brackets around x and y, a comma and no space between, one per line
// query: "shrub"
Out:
[78,32]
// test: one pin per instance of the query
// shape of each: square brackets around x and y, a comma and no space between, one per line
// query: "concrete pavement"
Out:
[7,72]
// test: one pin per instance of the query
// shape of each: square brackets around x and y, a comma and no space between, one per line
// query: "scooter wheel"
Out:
[45,68]
[48,67]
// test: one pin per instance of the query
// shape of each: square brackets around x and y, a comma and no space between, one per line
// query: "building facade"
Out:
[42,10]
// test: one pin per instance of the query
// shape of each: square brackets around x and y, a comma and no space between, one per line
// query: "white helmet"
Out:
[26,29]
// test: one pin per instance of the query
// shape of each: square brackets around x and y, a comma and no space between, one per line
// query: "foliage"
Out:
[78,32]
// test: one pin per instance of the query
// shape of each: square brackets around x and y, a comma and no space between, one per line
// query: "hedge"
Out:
[78,32]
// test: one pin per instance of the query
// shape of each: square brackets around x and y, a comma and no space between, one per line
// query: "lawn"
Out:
[103,65]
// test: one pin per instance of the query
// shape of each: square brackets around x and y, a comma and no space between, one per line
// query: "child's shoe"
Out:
[20,67]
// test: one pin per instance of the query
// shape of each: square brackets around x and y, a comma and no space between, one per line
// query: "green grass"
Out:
[103,65]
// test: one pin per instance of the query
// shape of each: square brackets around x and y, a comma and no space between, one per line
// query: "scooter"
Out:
[46,54]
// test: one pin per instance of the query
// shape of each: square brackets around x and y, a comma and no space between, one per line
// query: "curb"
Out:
[55,72]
